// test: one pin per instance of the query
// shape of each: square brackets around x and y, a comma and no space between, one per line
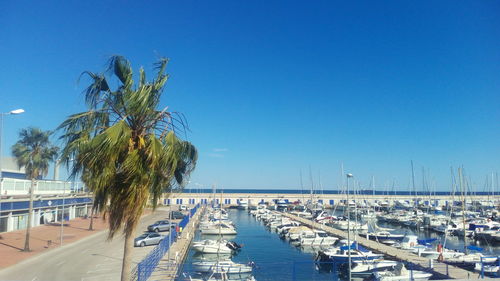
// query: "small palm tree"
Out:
[126,149]
[34,152]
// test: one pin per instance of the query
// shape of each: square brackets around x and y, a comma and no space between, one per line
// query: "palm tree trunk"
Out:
[30,215]
[91,226]
[127,255]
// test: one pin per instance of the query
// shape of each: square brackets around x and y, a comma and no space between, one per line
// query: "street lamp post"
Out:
[12,112]
[63,203]
[348,227]
[62,213]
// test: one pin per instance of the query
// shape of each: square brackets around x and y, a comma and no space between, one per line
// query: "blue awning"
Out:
[426,241]
[354,245]
[474,248]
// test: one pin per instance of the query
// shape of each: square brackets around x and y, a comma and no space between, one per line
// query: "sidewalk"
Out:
[44,238]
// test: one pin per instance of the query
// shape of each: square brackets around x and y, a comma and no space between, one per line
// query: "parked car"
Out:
[161,226]
[149,238]
[183,208]
[176,215]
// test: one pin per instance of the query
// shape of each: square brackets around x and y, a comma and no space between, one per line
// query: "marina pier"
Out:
[443,270]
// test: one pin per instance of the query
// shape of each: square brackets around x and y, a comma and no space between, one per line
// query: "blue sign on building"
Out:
[22,205]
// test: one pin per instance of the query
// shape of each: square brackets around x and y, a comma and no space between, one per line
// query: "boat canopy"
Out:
[354,246]
[426,241]
[474,248]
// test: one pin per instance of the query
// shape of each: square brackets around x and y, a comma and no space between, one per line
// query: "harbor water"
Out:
[274,259]
[277,259]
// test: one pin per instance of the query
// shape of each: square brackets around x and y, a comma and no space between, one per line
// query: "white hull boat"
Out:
[227,266]
[367,268]
[219,228]
[319,238]
[402,274]
[212,247]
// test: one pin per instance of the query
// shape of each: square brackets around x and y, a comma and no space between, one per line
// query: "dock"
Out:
[441,270]
[169,266]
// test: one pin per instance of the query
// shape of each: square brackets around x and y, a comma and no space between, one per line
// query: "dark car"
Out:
[161,226]
[176,215]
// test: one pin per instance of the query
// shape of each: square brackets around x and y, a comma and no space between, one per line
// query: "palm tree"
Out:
[34,152]
[127,149]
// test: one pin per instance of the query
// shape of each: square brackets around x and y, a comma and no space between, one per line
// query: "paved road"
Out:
[91,259]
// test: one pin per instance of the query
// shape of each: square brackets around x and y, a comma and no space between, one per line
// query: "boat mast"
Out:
[413,184]
[461,179]
[312,186]
[348,226]
[373,185]
[302,187]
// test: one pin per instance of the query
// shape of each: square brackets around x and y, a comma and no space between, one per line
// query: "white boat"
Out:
[227,266]
[384,235]
[367,268]
[295,233]
[219,228]
[212,247]
[302,214]
[211,257]
[487,269]
[242,204]
[433,254]
[317,238]
[281,204]
[211,222]
[400,273]
[285,227]
[341,254]
[344,225]
[471,258]
[223,276]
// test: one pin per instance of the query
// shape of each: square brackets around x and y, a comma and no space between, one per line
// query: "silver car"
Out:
[163,225]
[148,239]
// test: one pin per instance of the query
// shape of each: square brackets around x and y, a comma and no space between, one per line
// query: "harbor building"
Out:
[53,200]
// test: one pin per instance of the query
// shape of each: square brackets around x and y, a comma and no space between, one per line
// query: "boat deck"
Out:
[441,270]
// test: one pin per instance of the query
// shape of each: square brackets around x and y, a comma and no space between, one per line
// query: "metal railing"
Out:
[20,187]
[148,265]
[491,269]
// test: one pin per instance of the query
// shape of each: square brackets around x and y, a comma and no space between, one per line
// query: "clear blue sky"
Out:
[271,87]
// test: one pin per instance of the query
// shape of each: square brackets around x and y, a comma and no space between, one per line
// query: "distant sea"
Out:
[364,192]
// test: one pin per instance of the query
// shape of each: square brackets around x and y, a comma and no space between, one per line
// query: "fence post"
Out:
[139,267]
[411,271]
[482,268]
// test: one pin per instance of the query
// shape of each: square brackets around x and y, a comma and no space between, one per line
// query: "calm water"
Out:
[277,259]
